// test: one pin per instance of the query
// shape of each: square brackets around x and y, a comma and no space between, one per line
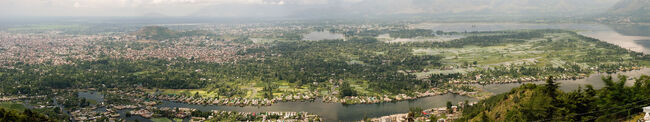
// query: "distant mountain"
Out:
[153,14]
[383,8]
[631,7]
[628,11]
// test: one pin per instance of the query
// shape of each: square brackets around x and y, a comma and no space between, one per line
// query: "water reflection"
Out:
[627,42]
[631,29]
[644,43]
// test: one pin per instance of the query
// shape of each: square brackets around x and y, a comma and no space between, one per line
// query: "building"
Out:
[646,118]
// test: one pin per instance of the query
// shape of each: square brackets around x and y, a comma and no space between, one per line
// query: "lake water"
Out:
[322,35]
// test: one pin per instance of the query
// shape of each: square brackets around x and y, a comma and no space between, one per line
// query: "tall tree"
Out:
[551,91]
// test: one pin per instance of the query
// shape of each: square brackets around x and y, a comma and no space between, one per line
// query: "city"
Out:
[325,60]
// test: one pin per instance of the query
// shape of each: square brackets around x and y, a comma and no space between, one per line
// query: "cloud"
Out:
[288,7]
[76,5]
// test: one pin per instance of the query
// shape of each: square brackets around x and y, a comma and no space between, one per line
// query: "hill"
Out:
[629,11]
[532,102]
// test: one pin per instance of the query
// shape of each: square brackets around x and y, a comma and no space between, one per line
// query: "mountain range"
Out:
[628,11]
[378,8]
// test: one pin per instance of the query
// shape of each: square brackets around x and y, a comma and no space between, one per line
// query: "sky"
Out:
[293,8]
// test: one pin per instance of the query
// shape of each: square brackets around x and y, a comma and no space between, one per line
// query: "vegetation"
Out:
[12,105]
[357,66]
[8,115]
[411,33]
[532,102]
[164,33]
[562,54]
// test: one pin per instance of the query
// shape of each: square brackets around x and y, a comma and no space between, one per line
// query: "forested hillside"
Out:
[530,102]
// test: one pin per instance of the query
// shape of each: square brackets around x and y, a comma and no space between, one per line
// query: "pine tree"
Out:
[551,91]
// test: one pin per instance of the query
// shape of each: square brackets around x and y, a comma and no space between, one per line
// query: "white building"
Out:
[647,114]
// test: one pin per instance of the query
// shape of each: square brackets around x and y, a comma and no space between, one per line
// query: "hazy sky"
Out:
[275,8]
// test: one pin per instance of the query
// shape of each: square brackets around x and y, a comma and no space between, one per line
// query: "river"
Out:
[336,111]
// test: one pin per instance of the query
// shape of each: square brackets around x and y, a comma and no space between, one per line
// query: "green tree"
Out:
[347,90]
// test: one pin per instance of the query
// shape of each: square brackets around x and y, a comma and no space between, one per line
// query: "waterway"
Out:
[336,111]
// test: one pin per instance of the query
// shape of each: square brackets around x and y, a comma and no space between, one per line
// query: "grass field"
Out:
[13,105]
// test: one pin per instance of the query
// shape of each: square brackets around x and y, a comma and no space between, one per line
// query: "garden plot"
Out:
[493,55]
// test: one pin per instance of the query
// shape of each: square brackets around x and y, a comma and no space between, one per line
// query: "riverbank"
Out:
[310,97]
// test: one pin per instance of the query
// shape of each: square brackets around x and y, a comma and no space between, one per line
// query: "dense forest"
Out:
[530,102]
